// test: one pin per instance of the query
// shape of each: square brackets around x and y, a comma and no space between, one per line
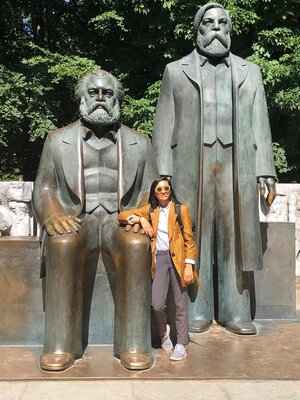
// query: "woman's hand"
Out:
[188,275]
[146,226]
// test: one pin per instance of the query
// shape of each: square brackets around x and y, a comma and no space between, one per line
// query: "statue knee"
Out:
[87,239]
[130,241]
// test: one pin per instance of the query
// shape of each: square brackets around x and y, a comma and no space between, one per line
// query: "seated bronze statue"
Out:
[90,170]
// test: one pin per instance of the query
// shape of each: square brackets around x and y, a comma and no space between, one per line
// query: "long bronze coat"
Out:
[182,245]
[177,141]
[59,185]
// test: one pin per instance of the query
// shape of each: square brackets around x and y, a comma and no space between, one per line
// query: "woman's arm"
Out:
[190,249]
[137,216]
[136,213]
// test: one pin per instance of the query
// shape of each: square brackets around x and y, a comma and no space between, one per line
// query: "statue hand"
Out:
[60,223]
[271,186]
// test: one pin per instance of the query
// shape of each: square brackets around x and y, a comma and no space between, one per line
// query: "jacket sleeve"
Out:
[45,194]
[164,125]
[262,131]
[190,249]
[139,212]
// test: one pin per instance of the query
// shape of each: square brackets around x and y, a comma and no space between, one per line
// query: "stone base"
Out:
[21,303]
[275,284]
[272,354]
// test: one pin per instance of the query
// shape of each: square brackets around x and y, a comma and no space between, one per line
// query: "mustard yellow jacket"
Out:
[182,244]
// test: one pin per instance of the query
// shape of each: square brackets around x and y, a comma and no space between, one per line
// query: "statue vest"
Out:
[100,176]
[217,103]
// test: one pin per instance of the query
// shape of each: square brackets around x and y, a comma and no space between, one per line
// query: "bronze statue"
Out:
[212,135]
[89,170]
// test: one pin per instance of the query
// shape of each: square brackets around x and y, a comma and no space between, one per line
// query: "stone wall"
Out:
[286,208]
[16,218]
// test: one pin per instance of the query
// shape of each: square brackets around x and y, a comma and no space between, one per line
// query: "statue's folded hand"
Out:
[60,223]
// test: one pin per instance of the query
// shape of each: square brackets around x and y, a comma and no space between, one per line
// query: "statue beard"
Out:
[214,44]
[102,115]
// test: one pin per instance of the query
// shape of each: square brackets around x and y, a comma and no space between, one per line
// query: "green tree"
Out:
[47,44]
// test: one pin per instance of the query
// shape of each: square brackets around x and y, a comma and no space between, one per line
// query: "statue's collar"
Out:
[203,60]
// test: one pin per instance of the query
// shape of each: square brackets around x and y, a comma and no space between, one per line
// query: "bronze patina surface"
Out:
[272,354]
[212,136]
[89,170]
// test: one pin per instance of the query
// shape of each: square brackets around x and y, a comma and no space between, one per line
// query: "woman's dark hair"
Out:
[152,198]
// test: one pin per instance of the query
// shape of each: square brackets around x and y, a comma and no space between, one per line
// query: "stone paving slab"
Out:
[145,390]
[273,354]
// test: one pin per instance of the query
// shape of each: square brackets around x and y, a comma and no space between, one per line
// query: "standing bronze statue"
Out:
[212,135]
[88,171]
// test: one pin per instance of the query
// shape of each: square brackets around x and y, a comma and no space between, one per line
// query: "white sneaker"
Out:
[166,342]
[179,353]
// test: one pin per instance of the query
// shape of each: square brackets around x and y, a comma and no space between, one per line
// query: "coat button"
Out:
[173,254]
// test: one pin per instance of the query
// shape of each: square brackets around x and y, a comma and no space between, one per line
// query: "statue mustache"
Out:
[210,36]
[102,105]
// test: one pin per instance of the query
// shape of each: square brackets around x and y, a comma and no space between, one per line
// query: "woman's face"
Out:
[163,191]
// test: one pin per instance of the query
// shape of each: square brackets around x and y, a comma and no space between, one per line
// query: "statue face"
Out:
[99,103]
[213,37]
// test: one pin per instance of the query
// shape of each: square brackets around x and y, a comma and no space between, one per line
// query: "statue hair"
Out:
[201,12]
[101,73]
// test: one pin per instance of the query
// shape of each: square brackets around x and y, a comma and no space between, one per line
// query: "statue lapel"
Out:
[128,157]
[239,71]
[72,160]
[191,68]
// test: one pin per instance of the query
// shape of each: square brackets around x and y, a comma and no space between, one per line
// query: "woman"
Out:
[173,254]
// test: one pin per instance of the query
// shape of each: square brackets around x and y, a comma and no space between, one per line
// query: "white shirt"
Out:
[162,237]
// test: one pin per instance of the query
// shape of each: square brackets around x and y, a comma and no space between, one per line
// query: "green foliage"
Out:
[47,45]
[139,113]
[34,101]
[280,158]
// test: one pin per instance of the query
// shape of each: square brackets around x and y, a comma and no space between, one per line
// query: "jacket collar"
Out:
[191,68]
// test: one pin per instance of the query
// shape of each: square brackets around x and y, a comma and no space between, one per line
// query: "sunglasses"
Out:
[161,188]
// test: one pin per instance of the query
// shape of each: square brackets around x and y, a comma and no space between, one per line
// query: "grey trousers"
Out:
[166,274]
[226,288]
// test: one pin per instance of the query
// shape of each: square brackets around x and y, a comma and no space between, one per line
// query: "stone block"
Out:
[275,284]
[21,289]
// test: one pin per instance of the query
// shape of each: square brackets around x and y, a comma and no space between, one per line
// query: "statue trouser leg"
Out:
[224,287]
[233,286]
[128,255]
[67,257]
[201,308]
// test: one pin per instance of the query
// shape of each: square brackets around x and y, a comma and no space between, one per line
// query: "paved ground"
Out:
[145,390]
[220,366]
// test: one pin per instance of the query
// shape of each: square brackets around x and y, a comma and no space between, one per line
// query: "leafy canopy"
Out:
[47,45]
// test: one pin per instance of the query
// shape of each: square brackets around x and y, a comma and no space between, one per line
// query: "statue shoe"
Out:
[136,361]
[241,327]
[56,361]
[199,326]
